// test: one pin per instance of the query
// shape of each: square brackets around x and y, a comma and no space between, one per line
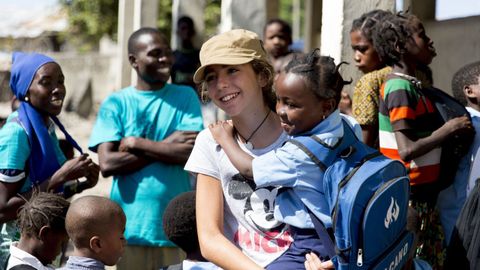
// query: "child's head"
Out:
[308,92]
[185,28]
[41,221]
[402,38]
[180,225]
[364,54]
[235,71]
[466,85]
[96,226]
[150,55]
[277,37]
[38,80]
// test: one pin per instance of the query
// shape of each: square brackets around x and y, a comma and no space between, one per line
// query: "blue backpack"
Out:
[368,198]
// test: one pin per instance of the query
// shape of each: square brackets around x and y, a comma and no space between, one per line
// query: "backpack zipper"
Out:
[360,257]
[360,237]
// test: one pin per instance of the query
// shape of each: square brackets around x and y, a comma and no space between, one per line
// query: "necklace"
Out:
[247,143]
[416,82]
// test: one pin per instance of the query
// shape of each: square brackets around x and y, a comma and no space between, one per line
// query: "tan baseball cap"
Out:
[234,47]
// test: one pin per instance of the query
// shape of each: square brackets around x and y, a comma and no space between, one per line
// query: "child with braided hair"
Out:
[308,92]
[42,232]
[408,128]
[367,88]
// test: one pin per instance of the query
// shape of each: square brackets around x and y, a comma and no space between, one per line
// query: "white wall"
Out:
[458,43]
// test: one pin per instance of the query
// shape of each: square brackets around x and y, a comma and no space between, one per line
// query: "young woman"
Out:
[236,228]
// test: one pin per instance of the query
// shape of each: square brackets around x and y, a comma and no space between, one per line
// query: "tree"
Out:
[89,20]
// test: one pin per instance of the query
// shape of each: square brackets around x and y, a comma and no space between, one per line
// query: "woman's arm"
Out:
[215,247]
[9,201]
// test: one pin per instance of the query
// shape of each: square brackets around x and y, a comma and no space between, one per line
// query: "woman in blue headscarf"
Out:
[30,155]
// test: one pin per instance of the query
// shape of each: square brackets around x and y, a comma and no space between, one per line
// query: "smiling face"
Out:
[152,60]
[233,88]
[299,108]
[364,54]
[47,91]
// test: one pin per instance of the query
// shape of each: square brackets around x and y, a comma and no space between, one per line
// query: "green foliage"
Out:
[212,17]
[164,19]
[89,20]
[286,13]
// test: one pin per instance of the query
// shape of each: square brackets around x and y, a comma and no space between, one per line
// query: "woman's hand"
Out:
[92,175]
[312,262]
[81,166]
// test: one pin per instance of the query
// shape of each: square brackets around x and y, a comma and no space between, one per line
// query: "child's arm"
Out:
[222,132]
[409,147]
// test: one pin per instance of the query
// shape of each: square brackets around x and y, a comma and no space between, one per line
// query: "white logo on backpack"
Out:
[393,212]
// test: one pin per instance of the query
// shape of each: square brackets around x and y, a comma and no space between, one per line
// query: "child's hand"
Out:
[312,262]
[458,125]
[222,131]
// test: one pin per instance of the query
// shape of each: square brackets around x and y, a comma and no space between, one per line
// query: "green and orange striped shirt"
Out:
[403,107]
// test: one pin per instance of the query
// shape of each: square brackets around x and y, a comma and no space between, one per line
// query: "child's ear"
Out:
[399,47]
[468,91]
[44,232]
[96,244]
[328,106]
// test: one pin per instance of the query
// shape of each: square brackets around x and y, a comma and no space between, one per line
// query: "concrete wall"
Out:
[353,9]
[337,18]
[457,42]
[89,79]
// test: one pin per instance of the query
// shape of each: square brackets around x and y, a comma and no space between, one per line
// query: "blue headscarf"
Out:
[43,162]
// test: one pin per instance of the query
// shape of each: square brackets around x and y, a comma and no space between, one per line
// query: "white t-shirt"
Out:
[248,214]
[18,257]
[192,265]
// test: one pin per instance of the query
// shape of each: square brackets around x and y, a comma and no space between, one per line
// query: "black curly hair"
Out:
[179,222]
[366,23]
[135,36]
[390,36]
[466,75]
[285,26]
[43,209]
[321,74]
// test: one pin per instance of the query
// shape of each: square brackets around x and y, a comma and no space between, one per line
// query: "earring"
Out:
[323,117]
[26,99]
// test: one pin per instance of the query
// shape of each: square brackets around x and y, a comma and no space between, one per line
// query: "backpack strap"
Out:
[321,153]
[326,235]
